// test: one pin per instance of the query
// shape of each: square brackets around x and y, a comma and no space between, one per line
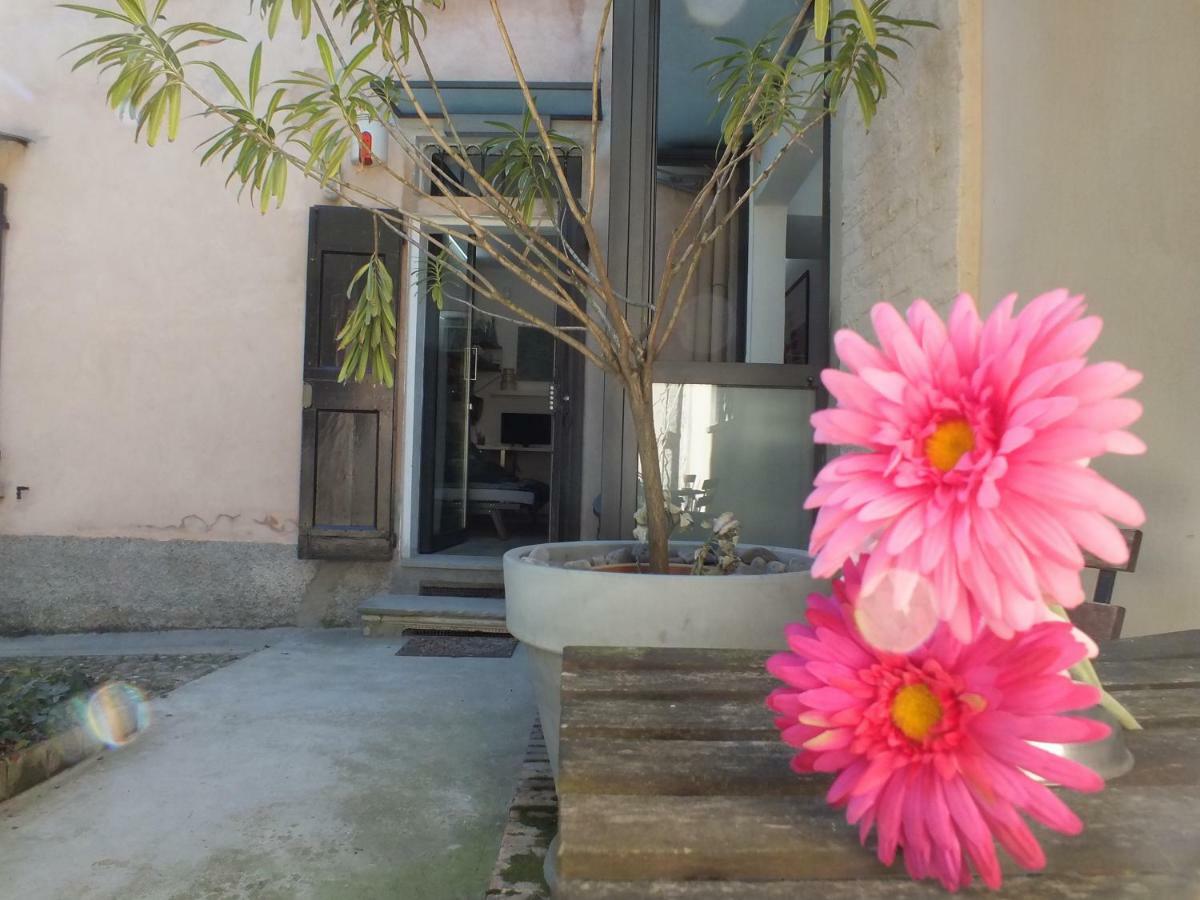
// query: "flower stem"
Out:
[1084,671]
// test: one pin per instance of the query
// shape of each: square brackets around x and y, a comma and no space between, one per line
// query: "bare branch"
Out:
[594,247]
[501,205]
[597,59]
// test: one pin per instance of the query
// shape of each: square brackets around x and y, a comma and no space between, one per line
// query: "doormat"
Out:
[457,644]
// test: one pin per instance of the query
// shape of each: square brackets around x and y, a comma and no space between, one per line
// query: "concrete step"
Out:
[390,614]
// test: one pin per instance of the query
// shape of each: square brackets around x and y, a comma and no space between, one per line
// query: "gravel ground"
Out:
[155,675]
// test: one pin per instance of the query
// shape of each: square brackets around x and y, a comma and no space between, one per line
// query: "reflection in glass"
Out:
[451,390]
[687,142]
[709,330]
[752,295]
[745,450]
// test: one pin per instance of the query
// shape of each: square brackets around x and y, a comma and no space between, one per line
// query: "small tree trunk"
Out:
[658,524]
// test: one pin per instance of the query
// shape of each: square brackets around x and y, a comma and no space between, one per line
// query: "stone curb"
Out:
[532,823]
[30,766]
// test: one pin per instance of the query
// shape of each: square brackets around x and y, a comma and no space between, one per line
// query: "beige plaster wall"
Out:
[904,195]
[152,326]
[1090,182]
[1033,145]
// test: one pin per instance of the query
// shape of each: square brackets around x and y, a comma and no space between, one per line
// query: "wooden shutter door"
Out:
[348,433]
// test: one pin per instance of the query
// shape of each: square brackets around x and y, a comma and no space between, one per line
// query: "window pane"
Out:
[759,286]
[806,280]
[687,142]
[710,328]
[744,450]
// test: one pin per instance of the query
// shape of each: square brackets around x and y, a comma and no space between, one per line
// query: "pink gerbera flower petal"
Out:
[931,750]
[975,436]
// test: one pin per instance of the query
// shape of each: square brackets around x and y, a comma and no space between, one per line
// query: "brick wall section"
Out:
[905,194]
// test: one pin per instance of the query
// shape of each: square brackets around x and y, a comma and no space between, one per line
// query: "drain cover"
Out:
[457,644]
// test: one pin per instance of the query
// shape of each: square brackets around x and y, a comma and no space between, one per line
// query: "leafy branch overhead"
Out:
[368,339]
[512,199]
[521,168]
[771,94]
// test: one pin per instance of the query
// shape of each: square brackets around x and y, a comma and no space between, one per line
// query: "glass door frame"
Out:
[430,541]
[565,405]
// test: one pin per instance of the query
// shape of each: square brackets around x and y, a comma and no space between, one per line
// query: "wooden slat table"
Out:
[673,783]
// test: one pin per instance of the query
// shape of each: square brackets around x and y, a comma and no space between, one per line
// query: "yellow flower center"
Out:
[915,710]
[948,443]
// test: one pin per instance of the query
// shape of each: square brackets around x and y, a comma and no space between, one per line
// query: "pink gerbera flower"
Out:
[932,749]
[973,481]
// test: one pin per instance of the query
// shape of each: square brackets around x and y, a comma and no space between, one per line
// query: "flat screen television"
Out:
[525,429]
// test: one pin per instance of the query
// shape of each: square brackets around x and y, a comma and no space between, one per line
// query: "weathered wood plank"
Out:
[696,683]
[1154,707]
[743,718]
[679,838]
[601,765]
[715,719]
[665,671]
[1016,887]
[682,768]
[674,784]
[1163,756]
[1130,830]
[1154,646]
[667,683]
[1123,674]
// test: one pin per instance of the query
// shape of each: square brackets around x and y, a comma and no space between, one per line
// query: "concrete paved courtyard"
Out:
[322,766]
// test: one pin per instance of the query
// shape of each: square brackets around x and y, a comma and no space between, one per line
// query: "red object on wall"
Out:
[364,149]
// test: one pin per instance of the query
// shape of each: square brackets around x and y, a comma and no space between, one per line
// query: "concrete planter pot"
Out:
[549,607]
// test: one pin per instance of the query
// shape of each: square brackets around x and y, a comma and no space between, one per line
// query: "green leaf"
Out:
[360,57]
[230,84]
[273,20]
[96,11]
[302,9]
[865,21]
[865,101]
[157,108]
[273,106]
[134,11]
[255,73]
[174,99]
[820,19]
[326,57]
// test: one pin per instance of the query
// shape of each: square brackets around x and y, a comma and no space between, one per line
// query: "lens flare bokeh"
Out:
[114,713]
[899,614]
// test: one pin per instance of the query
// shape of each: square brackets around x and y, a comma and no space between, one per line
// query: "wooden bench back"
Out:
[1101,619]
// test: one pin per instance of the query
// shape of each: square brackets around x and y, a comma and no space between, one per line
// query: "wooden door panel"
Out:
[346,463]
[347,466]
[336,271]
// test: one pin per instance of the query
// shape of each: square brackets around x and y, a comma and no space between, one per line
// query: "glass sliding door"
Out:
[499,441]
[446,409]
